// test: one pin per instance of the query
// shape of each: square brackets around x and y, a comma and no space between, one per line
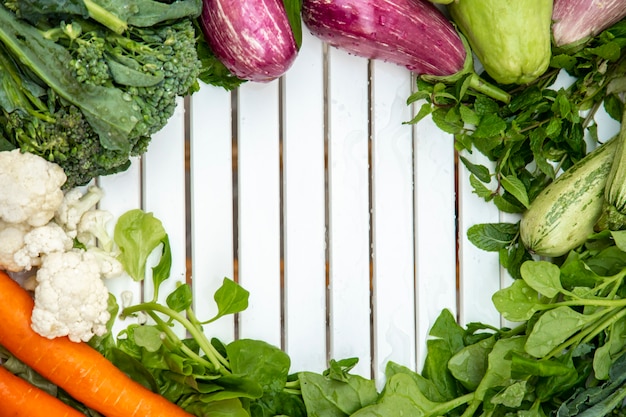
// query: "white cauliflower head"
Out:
[40,241]
[74,205]
[30,188]
[93,229]
[11,241]
[70,297]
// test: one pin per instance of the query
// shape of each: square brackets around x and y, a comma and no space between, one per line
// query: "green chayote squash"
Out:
[511,38]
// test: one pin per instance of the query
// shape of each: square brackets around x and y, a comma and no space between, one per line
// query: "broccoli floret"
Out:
[152,65]
[68,141]
[166,64]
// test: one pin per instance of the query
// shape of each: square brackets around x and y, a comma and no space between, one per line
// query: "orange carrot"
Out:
[79,369]
[22,399]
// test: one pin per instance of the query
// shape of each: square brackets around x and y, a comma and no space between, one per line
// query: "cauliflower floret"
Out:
[30,188]
[74,205]
[42,241]
[11,241]
[92,229]
[92,232]
[70,297]
[110,266]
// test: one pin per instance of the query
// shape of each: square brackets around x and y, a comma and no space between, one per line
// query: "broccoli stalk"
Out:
[117,16]
[106,18]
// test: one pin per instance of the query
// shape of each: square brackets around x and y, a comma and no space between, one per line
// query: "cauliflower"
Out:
[70,297]
[42,241]
[74,205]
[39,229]
[92,229]
[92,232]
[11,242]
[110,266]
[30,188]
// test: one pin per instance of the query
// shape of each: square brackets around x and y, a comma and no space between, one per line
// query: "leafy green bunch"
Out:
[546,128]
[543,129]
[86,86]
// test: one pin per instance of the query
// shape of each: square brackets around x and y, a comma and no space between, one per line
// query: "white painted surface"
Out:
[312,193]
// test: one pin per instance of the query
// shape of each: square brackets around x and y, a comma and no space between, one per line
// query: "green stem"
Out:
[471,409]
[191,315]
[445,407]
[292,391]
[214,356]
[106,18]
[179,344]
[293,384]
[490,90]
[621,302]
[588,333]
[603,325]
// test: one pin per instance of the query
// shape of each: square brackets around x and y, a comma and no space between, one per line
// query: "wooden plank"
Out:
[435,228]
[392,223]
[479,271]
[349,211]
[164,195]
[122,192]
[304,210]
[211,200]
[259,210]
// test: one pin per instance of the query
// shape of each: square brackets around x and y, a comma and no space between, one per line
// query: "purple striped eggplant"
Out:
[252,38]
[411,33]
[575,21]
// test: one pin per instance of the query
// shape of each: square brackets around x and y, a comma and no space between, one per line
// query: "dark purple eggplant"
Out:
[575,21]
[252,38]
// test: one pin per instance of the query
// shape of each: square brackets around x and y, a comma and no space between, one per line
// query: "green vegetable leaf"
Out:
[517,302]
[231,298]
[493,237]
[148,337]
[340,369]
[490,125]
[620,239]
[553,328]
[469,364]
[499,372]
[480,189]
[543,277]
[446,339]
[516,187]
[512,396]
[336,398]
[180,299]
[162,270]
[137,234]
[480,171]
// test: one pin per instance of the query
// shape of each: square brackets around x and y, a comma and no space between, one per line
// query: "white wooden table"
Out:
[345,224]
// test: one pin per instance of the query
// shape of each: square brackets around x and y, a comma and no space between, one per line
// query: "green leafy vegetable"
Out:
[137,234]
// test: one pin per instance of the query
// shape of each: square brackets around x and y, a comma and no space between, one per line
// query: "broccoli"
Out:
[49,110]
[54,130]
[152,66]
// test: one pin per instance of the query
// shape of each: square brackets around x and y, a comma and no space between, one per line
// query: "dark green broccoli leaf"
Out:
[114,14]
